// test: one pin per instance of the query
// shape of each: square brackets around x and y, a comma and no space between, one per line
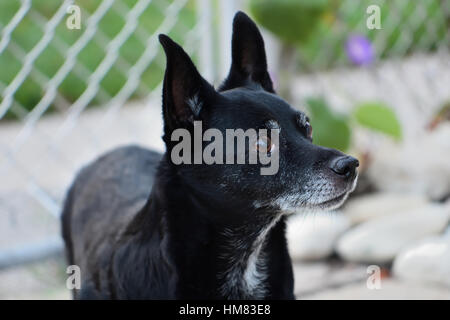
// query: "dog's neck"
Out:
[244,260]
[235,250]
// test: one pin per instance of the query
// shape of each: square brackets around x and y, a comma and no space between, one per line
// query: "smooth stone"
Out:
[379,204]
[426,261]
[312,236]
[418,165]
[380,240]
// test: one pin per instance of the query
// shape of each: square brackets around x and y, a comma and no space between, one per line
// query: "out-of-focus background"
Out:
[373,75]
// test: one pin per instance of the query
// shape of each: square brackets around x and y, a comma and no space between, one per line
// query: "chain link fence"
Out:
[69,94]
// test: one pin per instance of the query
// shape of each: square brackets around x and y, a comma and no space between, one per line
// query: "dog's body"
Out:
[129,248]
[141,227]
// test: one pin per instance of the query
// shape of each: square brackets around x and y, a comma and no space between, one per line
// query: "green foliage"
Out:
[329,129]
[333,131]
[378,117]
[291,20]
[312,24]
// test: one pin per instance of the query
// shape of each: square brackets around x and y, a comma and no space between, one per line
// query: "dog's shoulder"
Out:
[119,161]
[121,169]
[104,198]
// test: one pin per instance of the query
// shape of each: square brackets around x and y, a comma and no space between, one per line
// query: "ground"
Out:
[319,280]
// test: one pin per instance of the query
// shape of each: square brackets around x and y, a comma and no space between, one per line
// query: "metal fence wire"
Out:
[68,94]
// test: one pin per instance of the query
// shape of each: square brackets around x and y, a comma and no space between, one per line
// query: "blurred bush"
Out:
[330,130]
[334,130]
[31,29]
[291,20]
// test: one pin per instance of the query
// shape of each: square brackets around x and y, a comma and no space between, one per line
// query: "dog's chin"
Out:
[334,202]
[291,205]
[288,208]
[331,204]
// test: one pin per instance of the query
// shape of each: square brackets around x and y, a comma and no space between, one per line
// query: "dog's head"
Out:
[305,175]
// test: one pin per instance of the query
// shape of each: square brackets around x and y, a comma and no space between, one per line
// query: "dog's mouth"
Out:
[316,201]
[337,200]
[333,203]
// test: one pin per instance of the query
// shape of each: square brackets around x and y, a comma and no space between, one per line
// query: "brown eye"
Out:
[309,130]
[264,144]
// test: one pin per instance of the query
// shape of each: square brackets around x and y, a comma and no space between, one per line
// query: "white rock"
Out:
[419,165]
[447,232]
[426,261]
[379,204]
[312,236]
[380,240]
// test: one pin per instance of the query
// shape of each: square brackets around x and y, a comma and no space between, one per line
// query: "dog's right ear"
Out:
[185,92]
[248,56]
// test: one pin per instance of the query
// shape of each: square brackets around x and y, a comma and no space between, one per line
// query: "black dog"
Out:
[141,227]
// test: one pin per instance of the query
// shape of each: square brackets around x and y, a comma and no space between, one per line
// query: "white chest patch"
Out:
[246,277]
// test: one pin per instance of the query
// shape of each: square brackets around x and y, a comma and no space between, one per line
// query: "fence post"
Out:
[206,55]
[227,9]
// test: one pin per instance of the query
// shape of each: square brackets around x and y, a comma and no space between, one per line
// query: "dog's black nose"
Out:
[344,166]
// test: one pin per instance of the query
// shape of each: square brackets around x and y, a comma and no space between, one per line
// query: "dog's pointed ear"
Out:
[248,56]
[184,90]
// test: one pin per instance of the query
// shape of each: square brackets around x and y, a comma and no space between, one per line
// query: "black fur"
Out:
[141,227]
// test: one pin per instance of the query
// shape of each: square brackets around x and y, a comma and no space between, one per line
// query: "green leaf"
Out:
[291,20]
[329,129]
[378,117]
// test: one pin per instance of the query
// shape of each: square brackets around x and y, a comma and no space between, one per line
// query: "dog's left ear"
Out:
[248,56]
[185,92]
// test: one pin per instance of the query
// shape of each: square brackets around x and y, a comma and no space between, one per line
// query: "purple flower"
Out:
[359,50]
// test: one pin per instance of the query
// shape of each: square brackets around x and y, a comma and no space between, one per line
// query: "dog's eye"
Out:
[309,130]
[264,144]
